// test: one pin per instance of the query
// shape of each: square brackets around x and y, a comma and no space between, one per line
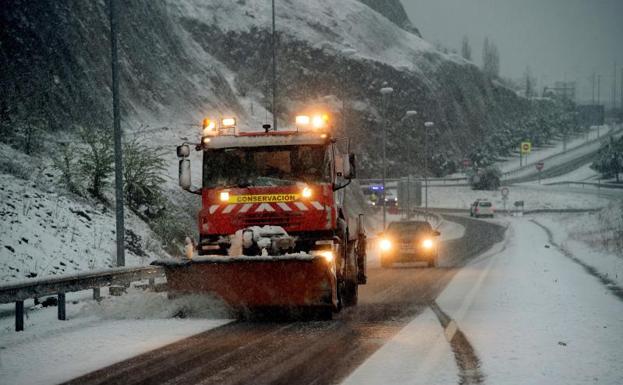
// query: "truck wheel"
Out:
[350,294]
[386,263]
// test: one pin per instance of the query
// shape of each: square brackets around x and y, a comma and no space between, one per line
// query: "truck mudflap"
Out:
[248,283]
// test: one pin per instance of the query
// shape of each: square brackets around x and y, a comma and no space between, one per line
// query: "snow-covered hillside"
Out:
[46,232]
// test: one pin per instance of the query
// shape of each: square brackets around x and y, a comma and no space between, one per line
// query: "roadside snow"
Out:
[461,197]
[98,334]
[536,317]
[585,236]
[575,146]
[45,233]
[418,354]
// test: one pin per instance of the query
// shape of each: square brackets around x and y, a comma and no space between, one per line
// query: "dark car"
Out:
[409,241]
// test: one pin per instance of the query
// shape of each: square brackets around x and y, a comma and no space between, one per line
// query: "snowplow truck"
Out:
[275,228]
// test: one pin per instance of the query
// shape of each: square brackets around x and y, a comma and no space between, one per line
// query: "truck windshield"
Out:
[265,166]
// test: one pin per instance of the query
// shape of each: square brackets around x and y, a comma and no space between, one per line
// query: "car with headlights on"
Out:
[409,241]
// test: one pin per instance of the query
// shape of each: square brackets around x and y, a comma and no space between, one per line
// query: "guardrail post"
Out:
[19,316]
[61,307]
[96,294]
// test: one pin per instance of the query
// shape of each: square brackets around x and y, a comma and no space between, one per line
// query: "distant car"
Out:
[481,208]
[409,241]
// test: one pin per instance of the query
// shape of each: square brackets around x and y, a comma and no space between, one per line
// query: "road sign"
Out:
[504,191]
[526,147]
[540,165]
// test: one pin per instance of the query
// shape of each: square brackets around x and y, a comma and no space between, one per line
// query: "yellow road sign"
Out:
[526,147]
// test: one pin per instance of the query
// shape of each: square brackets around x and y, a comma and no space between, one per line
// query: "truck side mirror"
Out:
[353,166]
[184,174]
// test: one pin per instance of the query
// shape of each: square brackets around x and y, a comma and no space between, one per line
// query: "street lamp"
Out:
[408,115]
[347,53]
[427,125]
[386,92]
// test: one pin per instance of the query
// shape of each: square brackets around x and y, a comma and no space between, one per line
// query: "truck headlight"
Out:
[224,196]
[427,244]
[326,254]
[385,244]
[306,193]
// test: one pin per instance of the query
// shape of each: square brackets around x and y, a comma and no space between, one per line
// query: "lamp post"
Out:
[347,53]
[409,115]
[427,125]
[386,92]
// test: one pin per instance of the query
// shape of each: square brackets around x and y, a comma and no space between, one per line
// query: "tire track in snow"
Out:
[612,286]
[464,353]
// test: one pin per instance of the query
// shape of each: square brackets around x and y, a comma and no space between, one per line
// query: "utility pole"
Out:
[274,43]
[614,88]
[120,227]
[621,85]
[593,78]
[598,89]
[386,92]
[427,125]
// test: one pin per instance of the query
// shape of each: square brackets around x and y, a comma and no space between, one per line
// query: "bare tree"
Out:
[529,83]
[466,49]
[490,59]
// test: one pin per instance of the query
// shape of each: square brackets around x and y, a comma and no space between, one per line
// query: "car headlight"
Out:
[427,243]
[385,245]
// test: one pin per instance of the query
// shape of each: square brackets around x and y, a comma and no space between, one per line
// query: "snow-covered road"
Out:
[531,315]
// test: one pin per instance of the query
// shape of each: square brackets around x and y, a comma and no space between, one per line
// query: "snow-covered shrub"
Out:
[96,160]
[143,175]
[485,179]
[610,159]
[65,161]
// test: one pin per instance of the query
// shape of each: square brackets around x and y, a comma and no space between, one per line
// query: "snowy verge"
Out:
[583,235]
[515,305]
[99,334]
[46,233]
[418,354]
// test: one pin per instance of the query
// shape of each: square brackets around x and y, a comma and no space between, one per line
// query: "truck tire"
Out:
[386,263]
[350,293]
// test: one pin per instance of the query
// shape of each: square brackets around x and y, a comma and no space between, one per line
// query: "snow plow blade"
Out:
[257,283]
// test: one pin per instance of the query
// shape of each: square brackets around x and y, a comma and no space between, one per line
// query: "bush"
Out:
[610,161]
[485,179]
[96,161]
[66,163]
[143,169]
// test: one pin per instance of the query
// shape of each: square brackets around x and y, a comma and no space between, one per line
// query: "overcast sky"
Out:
[558,39]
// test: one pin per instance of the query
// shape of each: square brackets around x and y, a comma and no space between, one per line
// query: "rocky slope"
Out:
[182,60]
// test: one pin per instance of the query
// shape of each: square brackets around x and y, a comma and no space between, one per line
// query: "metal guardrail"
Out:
[59,285]
[584,184]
